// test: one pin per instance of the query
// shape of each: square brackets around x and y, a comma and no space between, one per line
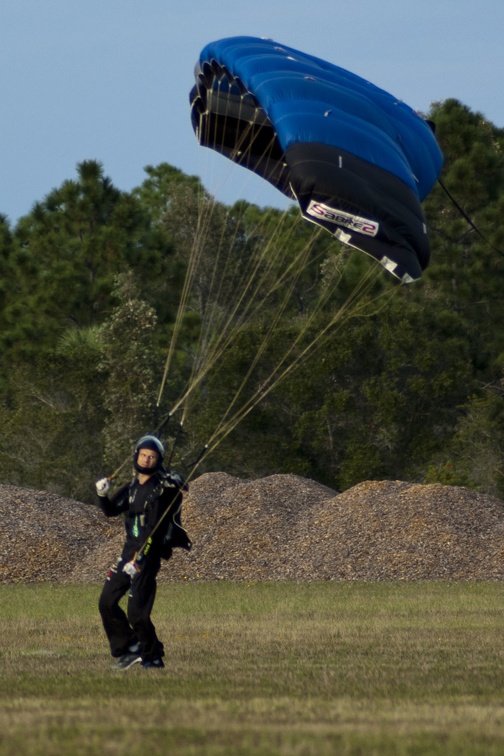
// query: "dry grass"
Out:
[258,669]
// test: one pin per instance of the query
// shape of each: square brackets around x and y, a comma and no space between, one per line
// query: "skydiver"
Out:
[151,505]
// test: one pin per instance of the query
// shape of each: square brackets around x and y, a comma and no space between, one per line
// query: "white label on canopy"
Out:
[341,218]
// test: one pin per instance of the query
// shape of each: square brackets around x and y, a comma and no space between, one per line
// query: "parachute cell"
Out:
[358,161]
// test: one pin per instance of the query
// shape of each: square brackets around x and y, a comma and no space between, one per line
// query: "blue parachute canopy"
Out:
[358,161]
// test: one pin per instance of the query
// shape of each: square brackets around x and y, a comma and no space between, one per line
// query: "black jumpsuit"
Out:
[142,506]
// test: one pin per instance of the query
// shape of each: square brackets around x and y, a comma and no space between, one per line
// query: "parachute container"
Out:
[358,161]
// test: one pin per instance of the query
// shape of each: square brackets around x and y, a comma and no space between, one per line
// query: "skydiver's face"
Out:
[147,458]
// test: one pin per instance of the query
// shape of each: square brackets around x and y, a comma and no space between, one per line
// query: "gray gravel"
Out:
[282,527]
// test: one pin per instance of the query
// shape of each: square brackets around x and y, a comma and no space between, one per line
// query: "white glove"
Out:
[131,569]
[102,486]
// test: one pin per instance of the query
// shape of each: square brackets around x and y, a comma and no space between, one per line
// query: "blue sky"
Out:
[109,79]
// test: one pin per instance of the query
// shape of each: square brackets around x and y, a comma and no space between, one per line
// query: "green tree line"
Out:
[248,333]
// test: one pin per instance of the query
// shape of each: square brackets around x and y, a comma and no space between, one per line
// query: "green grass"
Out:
[259,669]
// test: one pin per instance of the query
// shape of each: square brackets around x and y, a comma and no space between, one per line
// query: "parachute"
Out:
[358,161]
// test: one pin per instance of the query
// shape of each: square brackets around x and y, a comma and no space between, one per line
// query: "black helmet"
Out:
[154,444]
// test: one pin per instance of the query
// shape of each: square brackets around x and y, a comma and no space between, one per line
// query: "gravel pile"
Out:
[44,536]
[282,527]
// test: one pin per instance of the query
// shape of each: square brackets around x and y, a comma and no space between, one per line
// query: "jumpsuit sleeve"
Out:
[116,504]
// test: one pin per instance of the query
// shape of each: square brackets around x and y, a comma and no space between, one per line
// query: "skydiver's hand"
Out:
[102,486]
[131,569]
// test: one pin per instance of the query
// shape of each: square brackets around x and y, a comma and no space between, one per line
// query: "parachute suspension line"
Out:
[230,328]
[186,289]
[208,307]
[235,284]
[203,223]
[243,309]
[219,331]
[282,370]
[206,207]
[212,314]
[467,218]
[210,351]
[212,139]
[227,332]
[248,128]
[266,338]
[246,131]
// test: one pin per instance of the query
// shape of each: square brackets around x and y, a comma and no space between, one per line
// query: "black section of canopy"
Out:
[339,180]
[238,128]
[231,122]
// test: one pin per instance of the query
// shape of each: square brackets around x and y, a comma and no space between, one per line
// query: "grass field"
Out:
[260,669]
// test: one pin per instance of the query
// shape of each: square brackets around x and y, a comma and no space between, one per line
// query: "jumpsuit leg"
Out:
[140,603]
[119,632]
